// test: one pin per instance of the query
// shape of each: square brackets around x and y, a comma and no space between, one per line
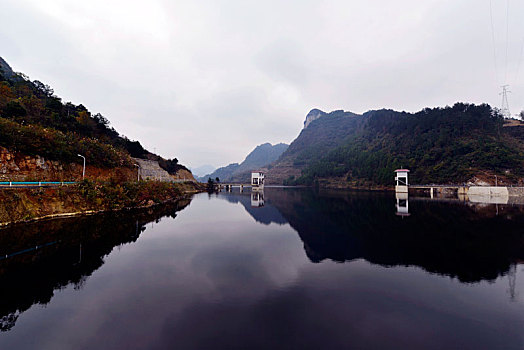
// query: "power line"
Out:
[521,57]
[507,42]
[493,40]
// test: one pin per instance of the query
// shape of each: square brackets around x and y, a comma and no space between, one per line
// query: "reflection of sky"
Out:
[265,214]
[213,277]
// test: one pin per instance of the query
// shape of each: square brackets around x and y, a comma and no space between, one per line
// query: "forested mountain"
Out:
[438,145]
[260,157]
[322,132]
[36,122]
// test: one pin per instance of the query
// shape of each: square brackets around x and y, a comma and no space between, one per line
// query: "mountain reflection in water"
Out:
[38,258]
[467,241]
[287,268]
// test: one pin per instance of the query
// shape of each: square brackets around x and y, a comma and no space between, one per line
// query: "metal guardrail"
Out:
[436,186]
[35,183]
[57,183]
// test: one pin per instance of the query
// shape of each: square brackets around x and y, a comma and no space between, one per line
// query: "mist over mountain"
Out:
[202,170]
[222,173]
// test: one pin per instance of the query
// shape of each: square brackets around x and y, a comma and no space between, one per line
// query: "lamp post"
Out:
[84,169]
[137,172]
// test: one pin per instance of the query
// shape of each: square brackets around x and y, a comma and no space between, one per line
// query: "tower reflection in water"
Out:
[402,204]
[257,198]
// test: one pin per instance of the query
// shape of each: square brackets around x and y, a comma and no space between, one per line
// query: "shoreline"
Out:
[5,224]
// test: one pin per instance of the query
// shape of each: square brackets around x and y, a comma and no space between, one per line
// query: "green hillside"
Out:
[34,121]
[438,145]
[322,135]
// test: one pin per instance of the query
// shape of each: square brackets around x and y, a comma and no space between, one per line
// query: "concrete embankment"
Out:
[495,194]
[491,191]
[474,194]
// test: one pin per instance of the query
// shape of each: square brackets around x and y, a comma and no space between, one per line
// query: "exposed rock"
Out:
[18,167]
[150,170]
[478,182]
[314,114]
[40,162]
[183,174]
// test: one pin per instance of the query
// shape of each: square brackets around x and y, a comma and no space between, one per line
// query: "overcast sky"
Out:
[207,81]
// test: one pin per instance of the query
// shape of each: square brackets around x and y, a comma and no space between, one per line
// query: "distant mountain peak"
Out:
[260,157]
[5,69]
[264,145]
[315,111]
[203,170]
[314,114]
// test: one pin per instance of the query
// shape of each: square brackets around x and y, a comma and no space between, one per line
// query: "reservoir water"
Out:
[289,268]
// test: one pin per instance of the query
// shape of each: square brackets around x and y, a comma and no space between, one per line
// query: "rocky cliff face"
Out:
[314,114]
[15,166]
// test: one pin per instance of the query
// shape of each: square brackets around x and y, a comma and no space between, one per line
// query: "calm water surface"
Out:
[303,270]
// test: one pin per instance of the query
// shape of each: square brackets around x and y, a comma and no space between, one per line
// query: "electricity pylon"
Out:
[505,105]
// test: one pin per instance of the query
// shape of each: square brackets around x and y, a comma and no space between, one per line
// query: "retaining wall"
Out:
[490,191]
[150,170]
